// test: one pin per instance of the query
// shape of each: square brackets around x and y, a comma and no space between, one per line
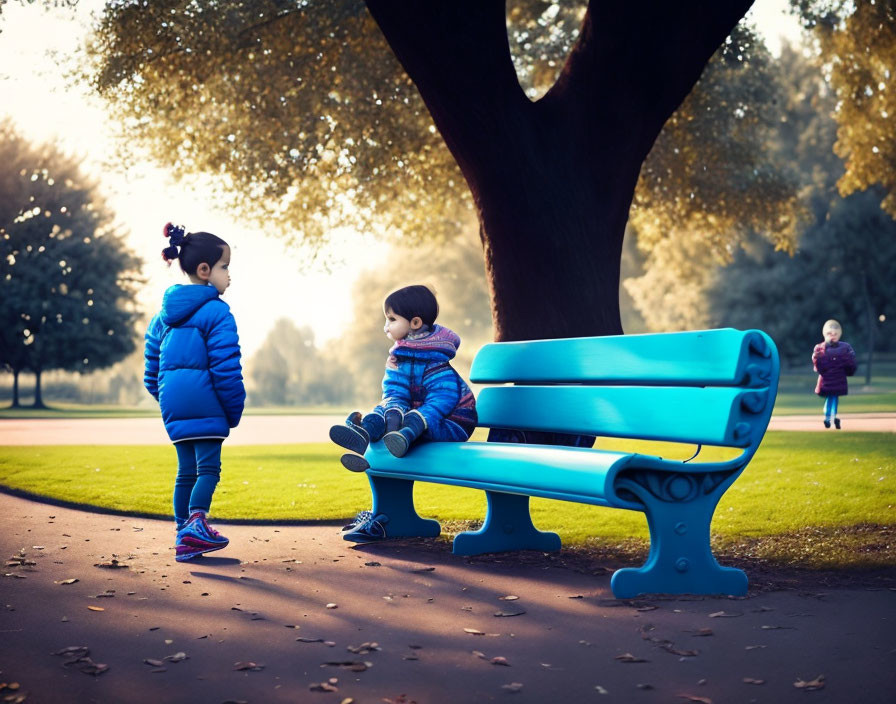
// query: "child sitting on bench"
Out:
[424,398]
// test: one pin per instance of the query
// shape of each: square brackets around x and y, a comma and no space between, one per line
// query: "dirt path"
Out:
[268,430]
[285,609]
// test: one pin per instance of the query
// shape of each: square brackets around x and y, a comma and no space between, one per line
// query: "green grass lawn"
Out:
[796,480]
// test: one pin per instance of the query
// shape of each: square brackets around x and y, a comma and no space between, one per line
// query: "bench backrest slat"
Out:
[724,357]
[713,387]
[711,416]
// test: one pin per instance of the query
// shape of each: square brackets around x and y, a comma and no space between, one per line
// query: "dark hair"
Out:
[412,302]
[194,249]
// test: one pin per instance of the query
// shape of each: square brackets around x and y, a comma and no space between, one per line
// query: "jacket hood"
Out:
[182,300]
[441,342]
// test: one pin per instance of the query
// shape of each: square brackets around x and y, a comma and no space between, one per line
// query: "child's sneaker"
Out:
[372,530]
[361,517]
[184,552]
[837,423]
[351,435]
[354,463]
[827,422]
[198,537]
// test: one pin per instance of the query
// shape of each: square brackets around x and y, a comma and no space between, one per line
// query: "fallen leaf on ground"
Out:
[778,628]
[754,647]
[724,614]
[509,613]
[302,639]
[628,657]
[753,680]
[509,597]
[353,665]
[323,687]
[670,648]
[817,683]
[68,581]
[423,569]
[332,606]
[154,663]
[499,660]
[111,564]
[364,648]
[692,698]
[512,687]
[249,666]
[96,608]
[177,657]
[372,564]
[474,632]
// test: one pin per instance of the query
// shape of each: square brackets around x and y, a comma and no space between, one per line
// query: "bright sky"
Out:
[269,281]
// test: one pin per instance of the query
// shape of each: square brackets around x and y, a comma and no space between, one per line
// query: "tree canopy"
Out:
[301,116]
[858,50]
[66,278]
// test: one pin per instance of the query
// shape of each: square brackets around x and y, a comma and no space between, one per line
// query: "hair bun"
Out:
[175,233]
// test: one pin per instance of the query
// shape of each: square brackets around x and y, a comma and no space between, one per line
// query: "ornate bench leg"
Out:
[508,526]
[395,498]
[680,559]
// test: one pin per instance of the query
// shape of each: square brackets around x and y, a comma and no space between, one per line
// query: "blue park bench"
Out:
[712,387]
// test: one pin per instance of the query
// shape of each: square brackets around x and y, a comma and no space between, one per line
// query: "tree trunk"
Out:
[869,319]
[38,396]
[553,180]
[15,388]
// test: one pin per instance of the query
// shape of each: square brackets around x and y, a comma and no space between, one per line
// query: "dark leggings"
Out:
[198,471]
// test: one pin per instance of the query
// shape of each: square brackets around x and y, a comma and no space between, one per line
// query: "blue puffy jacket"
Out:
[192,367]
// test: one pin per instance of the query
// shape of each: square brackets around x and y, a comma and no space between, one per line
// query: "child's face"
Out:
[398,327]
[219,276]
[831,334]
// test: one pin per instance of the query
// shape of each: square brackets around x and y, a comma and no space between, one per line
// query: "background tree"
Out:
[842,269]
[289,370]
[858,50]
[309,120]
[66,278]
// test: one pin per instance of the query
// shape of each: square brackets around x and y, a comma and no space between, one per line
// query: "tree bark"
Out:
[15,388]
[553,180]
[38,396]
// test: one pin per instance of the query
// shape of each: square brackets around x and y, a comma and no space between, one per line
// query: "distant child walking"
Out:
[193,370]
[834,360]
[424,398]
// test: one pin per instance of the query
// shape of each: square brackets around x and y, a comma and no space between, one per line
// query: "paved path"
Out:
[285,609]
[267,430]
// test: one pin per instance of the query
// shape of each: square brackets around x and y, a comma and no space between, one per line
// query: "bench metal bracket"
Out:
[680,559]
[508,526]
[395,498]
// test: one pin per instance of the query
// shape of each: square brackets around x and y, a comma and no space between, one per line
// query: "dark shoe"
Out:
[370,531]
[354,463]
[827,422]
[393,420]
[360,518]
[351,437]
[837,423]
[374,424]
[397,442]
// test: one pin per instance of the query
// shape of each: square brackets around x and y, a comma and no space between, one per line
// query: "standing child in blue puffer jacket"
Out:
[193,370]
[424,398]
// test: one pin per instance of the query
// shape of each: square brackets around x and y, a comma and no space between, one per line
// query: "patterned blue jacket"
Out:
[419,376]
[192,366]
